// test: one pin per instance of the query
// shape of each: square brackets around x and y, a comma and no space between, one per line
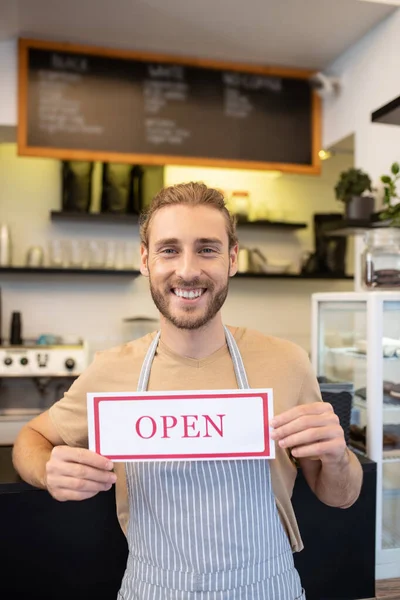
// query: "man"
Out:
[198,529]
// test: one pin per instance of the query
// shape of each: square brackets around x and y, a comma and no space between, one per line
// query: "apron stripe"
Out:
[205,530]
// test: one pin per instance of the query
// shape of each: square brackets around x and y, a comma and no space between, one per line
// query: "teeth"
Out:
[190,294]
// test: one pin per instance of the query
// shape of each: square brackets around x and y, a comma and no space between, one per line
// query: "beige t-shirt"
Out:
[269,362]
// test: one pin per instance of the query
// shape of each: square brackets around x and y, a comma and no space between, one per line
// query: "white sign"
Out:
[184,425]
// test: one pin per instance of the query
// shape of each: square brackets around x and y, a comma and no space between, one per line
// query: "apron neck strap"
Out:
[146,367]
[238,365]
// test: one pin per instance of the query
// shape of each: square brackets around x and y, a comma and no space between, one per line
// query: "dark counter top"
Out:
[366,463]
[10,481]
[44,540]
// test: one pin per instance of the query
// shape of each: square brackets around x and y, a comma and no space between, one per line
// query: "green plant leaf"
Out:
[386,179]
[353,182]
[395,168]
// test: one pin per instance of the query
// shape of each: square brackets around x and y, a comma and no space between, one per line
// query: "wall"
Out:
[285,198]
[8,82]
[94,307]
[371,77]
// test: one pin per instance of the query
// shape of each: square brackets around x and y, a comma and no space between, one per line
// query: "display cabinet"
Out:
[356,339]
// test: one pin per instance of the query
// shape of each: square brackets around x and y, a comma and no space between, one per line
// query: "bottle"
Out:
[15,330]
[5,246]
[381,258]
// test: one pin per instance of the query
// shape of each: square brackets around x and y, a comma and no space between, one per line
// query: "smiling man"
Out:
[198,530]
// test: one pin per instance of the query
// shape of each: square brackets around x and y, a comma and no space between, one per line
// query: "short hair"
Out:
[188,194]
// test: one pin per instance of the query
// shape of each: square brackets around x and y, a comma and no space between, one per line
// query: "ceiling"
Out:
[298,33]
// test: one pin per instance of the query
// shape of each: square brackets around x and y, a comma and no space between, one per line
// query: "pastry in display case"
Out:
[356,340]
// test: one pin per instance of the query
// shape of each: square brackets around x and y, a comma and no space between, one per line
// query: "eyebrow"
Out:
[175,241]
[215,241]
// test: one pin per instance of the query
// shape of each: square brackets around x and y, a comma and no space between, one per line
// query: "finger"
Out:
[303,423]
[83,456]
[310,436]
[316,408]
[77,485]
[80,471]
[319,449]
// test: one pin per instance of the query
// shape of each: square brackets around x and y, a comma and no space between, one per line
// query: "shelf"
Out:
[385,459]
[386,406]
[345,227]
[121,219]
[272,224]
[134,273]
[58,271]
[290,276]
[391,459]
[353,353]
[134,220]
[389,113]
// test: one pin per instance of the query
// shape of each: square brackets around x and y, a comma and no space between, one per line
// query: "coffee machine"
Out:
[329,257]
[33,377]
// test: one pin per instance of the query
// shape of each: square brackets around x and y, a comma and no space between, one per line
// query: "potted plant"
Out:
[391,204]
[350,189]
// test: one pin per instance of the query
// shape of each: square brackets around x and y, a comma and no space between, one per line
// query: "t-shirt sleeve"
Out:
[69,415]
[309,391]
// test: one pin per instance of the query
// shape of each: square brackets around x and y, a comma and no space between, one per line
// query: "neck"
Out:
[194,343]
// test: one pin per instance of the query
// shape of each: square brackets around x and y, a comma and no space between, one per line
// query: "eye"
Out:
[168,251]
[207,250]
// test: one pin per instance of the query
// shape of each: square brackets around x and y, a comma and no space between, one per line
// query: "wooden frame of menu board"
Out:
[41,150]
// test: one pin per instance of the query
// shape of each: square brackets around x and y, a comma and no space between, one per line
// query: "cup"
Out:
[76,250]
[131,256]
[57,254]
[111,252]
[96,253]
[35,257]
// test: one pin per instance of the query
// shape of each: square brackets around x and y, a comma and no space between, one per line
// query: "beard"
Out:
[190,320]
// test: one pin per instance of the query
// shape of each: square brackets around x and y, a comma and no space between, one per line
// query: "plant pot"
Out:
[359,207]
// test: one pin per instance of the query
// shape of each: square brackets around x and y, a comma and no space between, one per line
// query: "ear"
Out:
[144,256]
[233,260]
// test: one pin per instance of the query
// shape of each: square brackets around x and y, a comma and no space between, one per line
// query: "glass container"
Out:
[240,205]
[381,258]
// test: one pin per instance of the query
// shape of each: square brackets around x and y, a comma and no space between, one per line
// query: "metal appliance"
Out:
[43,361]
[32,378]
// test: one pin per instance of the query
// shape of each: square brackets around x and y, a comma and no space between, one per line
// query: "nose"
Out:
[188,266]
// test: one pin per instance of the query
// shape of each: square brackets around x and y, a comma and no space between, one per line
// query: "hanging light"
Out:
[325,154]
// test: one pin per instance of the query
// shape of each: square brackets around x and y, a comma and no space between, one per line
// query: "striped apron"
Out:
[205,530]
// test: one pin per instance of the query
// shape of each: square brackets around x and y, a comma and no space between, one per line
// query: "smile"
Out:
[188,294]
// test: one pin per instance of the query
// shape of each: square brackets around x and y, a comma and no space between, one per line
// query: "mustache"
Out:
[192,283]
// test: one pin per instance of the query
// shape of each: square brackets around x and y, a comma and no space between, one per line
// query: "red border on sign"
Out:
[266,452]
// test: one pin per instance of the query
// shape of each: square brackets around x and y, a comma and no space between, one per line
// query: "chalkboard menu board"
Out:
[90,104]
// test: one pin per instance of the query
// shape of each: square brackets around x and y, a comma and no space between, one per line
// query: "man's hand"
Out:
[311,431]
[77,473]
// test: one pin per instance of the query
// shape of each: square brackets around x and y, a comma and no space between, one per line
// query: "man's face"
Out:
[188,262]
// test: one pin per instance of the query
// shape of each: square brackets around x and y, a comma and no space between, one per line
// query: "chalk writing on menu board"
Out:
[58,109]
[164,86]
[119,105]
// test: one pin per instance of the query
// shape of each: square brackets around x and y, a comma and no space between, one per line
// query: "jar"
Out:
[240,203]
[381,258]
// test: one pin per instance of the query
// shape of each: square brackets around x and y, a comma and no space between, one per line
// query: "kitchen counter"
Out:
[62,550]
[10,481]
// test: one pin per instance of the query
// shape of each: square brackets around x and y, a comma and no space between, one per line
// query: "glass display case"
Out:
[356,339]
